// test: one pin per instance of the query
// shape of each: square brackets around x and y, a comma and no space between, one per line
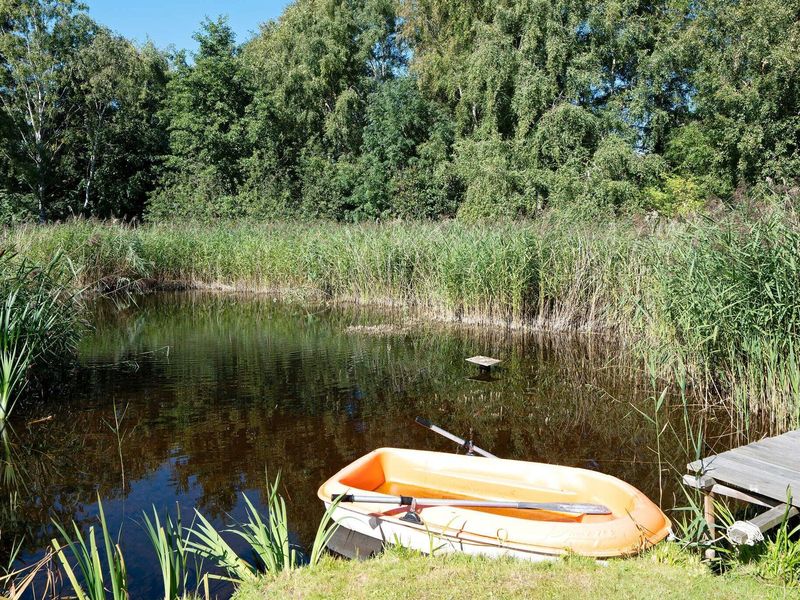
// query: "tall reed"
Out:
[718,300]
[267,540]
[169,542]
[40,321]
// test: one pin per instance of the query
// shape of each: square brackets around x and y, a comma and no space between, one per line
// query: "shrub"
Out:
[677,196]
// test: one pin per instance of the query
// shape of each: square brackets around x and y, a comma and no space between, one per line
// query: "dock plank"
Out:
[766,472]
[778,444]
[728,470]
[787,441]
[765,454]
[783,450]
[775,471]
[738,471]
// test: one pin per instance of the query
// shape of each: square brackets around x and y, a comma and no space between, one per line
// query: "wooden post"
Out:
[708,513]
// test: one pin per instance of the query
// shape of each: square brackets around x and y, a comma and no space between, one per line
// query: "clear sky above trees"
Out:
[175,21]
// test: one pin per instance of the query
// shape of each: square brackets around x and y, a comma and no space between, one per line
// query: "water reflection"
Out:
[218,390]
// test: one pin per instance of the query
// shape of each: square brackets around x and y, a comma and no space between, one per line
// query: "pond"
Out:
[192,399]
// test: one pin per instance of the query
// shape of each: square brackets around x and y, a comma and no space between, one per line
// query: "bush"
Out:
[327,187]
[677,196]
[16,208]
[198,195]
[565,134]
[492,184]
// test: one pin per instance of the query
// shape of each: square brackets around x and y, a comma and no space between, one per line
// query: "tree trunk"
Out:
[40,193]
[89,177]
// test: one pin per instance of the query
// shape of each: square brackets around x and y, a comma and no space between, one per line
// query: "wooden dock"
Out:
[765,473]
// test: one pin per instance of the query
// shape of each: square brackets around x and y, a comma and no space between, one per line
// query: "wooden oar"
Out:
[467,445]
[560,507]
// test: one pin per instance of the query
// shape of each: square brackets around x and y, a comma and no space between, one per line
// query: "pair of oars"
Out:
[414,503]
[560,507]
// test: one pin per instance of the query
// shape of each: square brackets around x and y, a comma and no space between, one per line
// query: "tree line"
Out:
[375,109]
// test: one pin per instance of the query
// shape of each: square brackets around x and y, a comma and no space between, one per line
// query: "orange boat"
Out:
[529,510]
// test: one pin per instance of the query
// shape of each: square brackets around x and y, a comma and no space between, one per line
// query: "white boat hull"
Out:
[422,539]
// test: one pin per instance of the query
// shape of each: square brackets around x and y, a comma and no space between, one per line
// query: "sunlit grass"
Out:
[781,557]
[668,573]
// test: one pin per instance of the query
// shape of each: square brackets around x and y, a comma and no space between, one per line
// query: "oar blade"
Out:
[570,507]
[424,422]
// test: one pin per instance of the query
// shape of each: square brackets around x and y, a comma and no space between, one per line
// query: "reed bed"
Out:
[40,321]
[714,301]
[533,274]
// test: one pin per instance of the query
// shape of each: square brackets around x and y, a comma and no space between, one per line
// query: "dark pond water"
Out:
[212,391]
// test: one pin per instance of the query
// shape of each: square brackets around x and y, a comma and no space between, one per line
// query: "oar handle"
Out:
[355,498]
[452,437]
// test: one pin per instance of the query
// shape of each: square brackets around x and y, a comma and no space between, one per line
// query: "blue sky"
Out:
[168,22]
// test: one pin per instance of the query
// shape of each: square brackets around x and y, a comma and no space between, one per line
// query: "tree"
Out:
[120,90]
[105,74]
[205,106]
[745,79]
[369,109]
[406,139]
[536,86]
[38,44]
[312,72]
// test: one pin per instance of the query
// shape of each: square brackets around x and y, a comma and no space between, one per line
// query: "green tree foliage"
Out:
[78,112]
[378,109]
[313,71]
[746,79]
[121,89]
[404,162]
[205,107]
[38,45]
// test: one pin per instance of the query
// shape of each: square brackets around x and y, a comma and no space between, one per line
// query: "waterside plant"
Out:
[96,570]
[713,301]
[40,320]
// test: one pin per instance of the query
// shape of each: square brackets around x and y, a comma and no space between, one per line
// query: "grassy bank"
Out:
[712,302]
[397,575]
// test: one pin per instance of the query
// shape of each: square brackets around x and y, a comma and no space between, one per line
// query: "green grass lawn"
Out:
[407,576]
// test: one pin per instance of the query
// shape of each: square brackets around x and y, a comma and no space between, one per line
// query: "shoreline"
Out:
[666,570]
[690,300]
[429,314]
